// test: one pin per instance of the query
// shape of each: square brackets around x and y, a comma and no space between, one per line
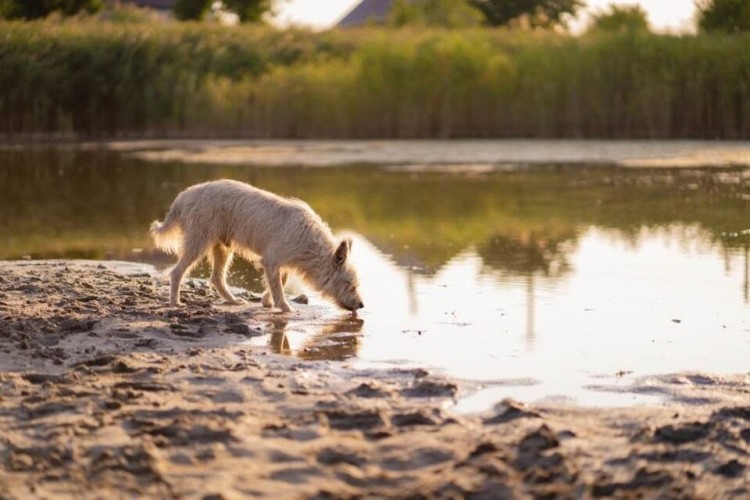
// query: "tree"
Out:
[35,9]
[731,16]
[442,13]
[246,10]
[249,11]
[191,10]
[620,19]
[7,8]
[536,13]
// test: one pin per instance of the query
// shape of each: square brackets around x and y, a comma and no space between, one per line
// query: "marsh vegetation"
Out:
[89,78]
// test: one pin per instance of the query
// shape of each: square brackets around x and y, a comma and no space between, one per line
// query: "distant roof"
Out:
[152,4]
[365,11]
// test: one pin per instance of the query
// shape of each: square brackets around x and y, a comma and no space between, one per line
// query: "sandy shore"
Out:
[444,156]
[107,393]
[464,155]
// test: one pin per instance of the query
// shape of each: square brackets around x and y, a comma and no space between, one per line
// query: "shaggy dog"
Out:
[220,217]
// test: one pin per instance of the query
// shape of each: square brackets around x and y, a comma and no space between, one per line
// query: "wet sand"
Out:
[446,156]
[453,156]
[105,392]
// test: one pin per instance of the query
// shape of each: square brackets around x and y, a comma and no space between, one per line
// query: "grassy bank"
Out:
[104,79]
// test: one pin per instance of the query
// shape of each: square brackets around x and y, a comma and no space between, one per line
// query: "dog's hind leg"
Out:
[267,298]
[275,290]
[221,256]
[192,251]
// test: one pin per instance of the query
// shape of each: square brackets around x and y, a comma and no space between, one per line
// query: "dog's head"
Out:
[342,283]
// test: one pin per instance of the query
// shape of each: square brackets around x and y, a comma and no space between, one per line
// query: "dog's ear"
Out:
[349,243]
[342,252]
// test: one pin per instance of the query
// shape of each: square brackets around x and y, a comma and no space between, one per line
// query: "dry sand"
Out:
[107,393]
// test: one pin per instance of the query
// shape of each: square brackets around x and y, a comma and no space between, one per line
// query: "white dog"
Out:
[220,217]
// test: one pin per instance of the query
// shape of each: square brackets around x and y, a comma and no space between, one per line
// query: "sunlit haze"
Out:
[675,15]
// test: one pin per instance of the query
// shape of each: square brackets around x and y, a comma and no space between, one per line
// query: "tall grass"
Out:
[108,79]
[483,84]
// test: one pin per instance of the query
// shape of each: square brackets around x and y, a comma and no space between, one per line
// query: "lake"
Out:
[558,278]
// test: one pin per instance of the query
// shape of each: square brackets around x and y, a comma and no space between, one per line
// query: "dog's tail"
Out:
[167,235]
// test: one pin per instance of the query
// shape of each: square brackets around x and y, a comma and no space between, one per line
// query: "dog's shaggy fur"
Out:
[222,217]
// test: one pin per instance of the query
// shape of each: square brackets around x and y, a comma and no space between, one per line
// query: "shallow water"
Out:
[549,282]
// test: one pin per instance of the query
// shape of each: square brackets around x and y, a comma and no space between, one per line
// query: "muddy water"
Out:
[542,282]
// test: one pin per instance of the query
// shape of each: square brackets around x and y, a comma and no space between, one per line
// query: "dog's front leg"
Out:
[275,287]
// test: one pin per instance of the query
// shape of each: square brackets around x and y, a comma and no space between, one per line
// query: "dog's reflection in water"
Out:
[336,341]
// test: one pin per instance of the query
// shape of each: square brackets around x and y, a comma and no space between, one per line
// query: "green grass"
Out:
[99,79]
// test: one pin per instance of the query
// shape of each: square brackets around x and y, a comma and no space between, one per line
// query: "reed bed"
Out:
[97,79]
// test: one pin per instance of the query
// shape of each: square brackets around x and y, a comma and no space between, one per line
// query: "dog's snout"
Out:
[361,305]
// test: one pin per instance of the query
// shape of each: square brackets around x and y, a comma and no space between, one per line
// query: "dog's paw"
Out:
[235,302]
[176,304]
[266,300]
[286,308]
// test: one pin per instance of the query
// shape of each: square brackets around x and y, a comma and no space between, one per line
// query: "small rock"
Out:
[253,297]
[243,329]
[301,299]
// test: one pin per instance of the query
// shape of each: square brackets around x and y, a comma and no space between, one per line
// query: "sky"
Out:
[672,15]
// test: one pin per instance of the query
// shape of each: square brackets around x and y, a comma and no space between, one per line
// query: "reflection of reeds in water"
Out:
[98,204]
[527,254]
[336,340]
